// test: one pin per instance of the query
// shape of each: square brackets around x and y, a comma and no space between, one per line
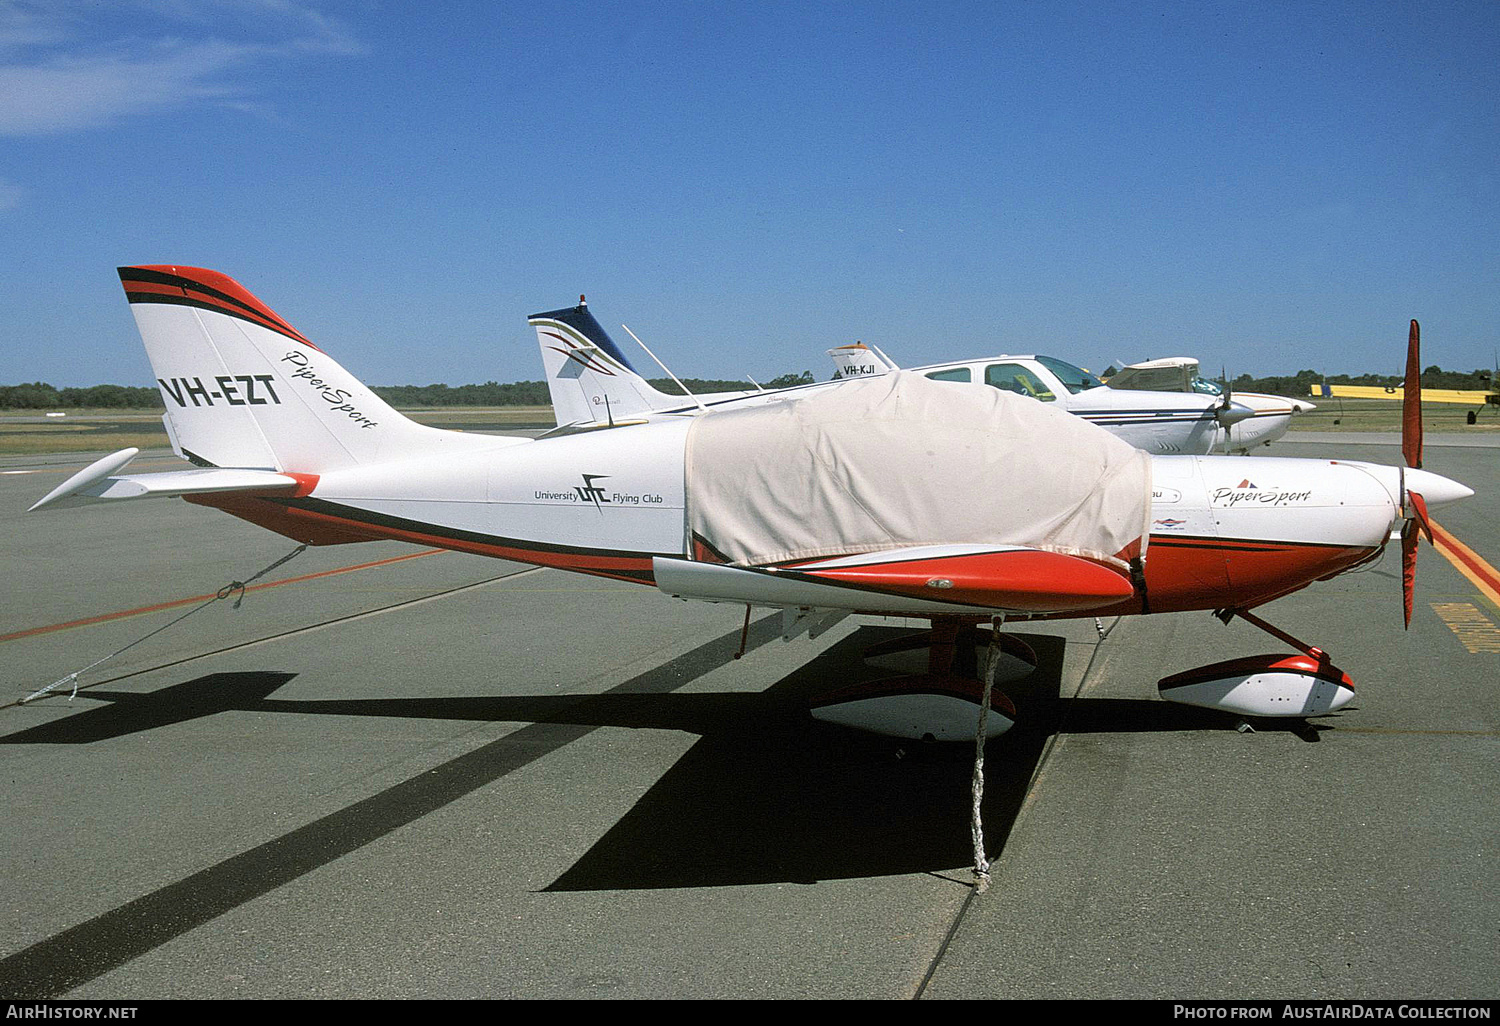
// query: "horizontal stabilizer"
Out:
[95,483]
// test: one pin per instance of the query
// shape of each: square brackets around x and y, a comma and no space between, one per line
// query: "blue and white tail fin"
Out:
[243,388]
[591,381]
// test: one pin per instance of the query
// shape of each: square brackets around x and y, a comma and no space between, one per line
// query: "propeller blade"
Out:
[1411,403]
[1224,391]
[1419,508]
[1408,569]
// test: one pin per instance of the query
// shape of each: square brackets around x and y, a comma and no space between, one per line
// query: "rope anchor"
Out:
[229,589]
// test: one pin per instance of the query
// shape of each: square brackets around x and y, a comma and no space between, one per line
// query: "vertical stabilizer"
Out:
[243,388]
[859,360]
[591,381]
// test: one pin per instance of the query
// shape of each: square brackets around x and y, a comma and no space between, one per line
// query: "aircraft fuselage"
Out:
[1225,531]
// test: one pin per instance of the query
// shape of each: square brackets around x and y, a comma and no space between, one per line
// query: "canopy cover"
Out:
[900,460]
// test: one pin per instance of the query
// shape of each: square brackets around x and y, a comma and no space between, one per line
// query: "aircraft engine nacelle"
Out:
[1267,685]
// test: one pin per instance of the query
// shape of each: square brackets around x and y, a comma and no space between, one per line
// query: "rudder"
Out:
[243,388]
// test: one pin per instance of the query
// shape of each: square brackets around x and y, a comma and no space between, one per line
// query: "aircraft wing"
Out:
[98,483]
[1462,397]
[914,580]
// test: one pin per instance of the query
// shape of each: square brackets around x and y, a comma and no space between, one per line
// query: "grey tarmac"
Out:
[444,776]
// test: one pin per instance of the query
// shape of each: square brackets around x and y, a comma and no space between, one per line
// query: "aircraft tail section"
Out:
[590,380]
[859,360]
[243,388]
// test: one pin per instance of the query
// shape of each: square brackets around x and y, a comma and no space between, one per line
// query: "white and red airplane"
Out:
[896,495]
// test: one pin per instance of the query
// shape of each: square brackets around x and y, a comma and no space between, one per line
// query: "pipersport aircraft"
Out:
[592,383]
[839,501]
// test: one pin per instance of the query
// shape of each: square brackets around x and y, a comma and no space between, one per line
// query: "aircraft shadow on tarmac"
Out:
[766,795]
[770,795]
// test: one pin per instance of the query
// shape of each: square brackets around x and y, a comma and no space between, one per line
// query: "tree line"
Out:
[1304,381]
[39,395]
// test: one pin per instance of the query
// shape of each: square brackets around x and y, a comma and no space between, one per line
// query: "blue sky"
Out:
[1267,186]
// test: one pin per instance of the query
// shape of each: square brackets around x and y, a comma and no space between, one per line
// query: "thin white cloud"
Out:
[69,93]
[26,25]
[282,23]
[58,75]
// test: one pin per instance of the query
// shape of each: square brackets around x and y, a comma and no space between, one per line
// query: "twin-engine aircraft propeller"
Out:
[1229,413]
[1223,409]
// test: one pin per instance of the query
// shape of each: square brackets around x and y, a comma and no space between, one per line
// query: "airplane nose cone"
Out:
[1233,413]
[1435,489]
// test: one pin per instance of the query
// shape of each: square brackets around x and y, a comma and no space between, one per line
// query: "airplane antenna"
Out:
[753,382]
[664,367]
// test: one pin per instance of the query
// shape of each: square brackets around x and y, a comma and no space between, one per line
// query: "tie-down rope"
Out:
[976,825]
[223,593]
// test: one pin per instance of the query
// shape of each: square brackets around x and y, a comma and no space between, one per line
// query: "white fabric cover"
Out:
[900,460]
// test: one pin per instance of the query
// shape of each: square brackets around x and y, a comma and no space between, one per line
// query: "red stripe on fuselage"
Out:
[1181,573]
[322,528]
[1212,573]
[1011,579]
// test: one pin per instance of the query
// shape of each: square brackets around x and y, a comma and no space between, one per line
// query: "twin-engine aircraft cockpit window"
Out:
[1012,377]
[1074,379]
[951,374]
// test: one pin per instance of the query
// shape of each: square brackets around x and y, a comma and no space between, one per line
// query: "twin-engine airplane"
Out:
[1186,417]
[1273,413]
[896,495]
[592,383]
